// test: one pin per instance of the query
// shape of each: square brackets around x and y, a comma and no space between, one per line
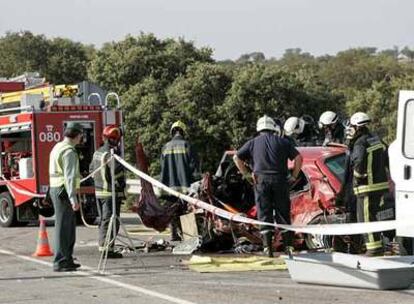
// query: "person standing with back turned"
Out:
[179,168]
[269,155]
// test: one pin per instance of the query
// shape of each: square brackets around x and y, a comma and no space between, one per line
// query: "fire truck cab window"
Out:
[409,125]
[87,147]
[16,155]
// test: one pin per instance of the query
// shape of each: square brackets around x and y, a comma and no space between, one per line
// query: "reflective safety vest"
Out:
[374,175]
[56,174]
[102,178]
[179,164]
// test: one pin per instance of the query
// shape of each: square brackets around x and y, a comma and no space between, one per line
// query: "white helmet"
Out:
[359,119]
[266,123]
[327,118]
[294,125]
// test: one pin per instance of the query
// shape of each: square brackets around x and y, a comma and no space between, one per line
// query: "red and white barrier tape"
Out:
[324,229]
[13,186]
[35,195]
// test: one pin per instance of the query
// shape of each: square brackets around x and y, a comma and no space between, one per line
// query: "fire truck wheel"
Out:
[7,210]
[89,220]
[315,241]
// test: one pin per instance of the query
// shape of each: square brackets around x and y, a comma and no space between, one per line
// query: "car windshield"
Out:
[337,165]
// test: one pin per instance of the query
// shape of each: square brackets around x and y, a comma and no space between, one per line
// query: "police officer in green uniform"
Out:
[64,182]
[369,161]
[103,186]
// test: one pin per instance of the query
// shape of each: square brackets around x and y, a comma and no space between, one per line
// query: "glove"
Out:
[292,180]
[249,178]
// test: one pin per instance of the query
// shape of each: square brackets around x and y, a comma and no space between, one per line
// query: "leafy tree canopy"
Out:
[59,60]
[119,65]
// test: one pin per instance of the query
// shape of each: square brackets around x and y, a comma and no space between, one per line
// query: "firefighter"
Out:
[332,128]
[269,154]
[300,131]
[103,186]
[179,168]
[310,134]
[369,161]
[293,128]
[64,182]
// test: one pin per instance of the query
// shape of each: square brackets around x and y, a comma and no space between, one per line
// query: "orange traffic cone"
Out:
[43,248]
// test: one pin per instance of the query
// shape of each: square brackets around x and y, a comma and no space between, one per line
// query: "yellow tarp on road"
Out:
[234,264]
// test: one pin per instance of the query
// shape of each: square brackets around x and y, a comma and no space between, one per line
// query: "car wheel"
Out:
[7,210]
[317,241]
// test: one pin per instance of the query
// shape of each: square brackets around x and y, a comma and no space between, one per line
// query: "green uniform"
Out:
[64,183]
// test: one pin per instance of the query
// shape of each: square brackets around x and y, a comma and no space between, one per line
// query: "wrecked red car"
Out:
[313,197]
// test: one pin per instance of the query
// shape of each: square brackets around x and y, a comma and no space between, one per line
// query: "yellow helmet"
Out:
[178,125]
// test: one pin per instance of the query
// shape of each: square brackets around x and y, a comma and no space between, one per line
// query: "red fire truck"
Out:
[27,135]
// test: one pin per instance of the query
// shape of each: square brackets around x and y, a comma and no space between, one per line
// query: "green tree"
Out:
[267,89]
[59,60]
[358,69]
[394,52]
[67,61]
[295,58]
[145,105]
[196,98]
[23,52]
[380,101]
[251,57]
[119,65]
[408,52]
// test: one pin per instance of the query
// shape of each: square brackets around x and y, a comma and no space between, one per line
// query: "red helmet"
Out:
[112,132]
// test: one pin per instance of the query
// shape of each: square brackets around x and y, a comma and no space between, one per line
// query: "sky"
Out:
[229,27]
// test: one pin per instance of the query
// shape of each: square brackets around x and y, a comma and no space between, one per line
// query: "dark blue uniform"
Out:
[369,160]
[179,168]
[269,154]
[179,164]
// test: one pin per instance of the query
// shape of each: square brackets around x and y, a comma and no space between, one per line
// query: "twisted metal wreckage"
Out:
[223,206]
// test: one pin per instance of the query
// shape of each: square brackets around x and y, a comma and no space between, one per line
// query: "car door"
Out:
[401,155]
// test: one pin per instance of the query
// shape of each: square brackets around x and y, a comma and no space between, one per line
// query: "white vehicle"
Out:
[401,155]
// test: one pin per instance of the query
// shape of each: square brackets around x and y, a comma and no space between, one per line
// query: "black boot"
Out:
[268,244]
[287,237]
[175,229]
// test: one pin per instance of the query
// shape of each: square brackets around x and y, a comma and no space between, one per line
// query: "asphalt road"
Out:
[155,277]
